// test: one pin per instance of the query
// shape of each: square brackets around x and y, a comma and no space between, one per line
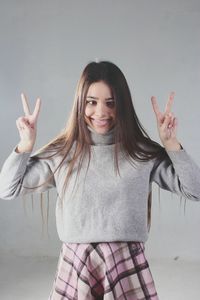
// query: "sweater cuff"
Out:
[15,148]
[18,158]
[178,156]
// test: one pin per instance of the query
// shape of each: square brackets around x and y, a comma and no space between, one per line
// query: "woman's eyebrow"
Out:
[96,98]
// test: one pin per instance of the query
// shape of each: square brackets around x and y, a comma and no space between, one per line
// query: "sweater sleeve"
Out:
[22,173]
[178,173]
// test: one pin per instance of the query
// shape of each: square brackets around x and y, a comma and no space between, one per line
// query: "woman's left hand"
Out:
[167,124]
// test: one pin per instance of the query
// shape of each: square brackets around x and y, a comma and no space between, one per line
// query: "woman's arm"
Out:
[23,173]
[178,173]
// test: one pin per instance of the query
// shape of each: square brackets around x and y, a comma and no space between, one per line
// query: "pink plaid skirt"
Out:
[109,271]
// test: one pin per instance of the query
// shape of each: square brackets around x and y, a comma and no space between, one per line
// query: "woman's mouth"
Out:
[103,122]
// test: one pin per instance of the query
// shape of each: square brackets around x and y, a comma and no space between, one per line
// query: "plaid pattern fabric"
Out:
[114,270]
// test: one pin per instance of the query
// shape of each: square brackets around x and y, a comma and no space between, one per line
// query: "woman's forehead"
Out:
[99,89]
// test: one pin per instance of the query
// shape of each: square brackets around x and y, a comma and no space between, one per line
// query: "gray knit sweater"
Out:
[103,206]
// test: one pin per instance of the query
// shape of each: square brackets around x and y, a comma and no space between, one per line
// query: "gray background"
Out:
[44,46]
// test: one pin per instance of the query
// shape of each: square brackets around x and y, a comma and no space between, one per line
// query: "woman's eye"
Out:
[91,102]
[110,104]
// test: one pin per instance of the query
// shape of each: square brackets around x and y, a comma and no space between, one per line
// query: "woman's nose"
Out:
[100,109]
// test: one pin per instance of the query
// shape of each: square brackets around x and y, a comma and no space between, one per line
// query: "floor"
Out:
[32,278]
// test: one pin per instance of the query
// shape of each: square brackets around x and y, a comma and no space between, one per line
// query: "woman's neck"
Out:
[102,139]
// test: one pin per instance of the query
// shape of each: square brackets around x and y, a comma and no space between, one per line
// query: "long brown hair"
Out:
[129,135]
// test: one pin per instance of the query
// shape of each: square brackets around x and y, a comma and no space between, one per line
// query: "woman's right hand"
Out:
[27,126]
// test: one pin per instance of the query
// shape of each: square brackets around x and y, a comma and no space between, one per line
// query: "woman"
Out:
[102,166]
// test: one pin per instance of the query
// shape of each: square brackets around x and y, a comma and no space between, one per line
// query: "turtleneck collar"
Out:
[102,139]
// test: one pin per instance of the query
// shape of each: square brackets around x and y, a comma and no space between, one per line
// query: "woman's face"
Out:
[100,107]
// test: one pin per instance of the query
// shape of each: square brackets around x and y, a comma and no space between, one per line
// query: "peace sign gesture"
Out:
[27,125]
[167,124]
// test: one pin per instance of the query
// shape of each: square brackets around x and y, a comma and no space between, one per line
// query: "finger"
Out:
[155,105]
[166,122]
[25,105]
[18,126]
[157,112]
[175,123]
[169,102]
[37,109]
[23,122]
[171,122]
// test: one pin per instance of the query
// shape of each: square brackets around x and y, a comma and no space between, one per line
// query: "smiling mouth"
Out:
[101,122]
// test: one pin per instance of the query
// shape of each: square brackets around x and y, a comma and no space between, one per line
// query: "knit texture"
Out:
[103,206]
